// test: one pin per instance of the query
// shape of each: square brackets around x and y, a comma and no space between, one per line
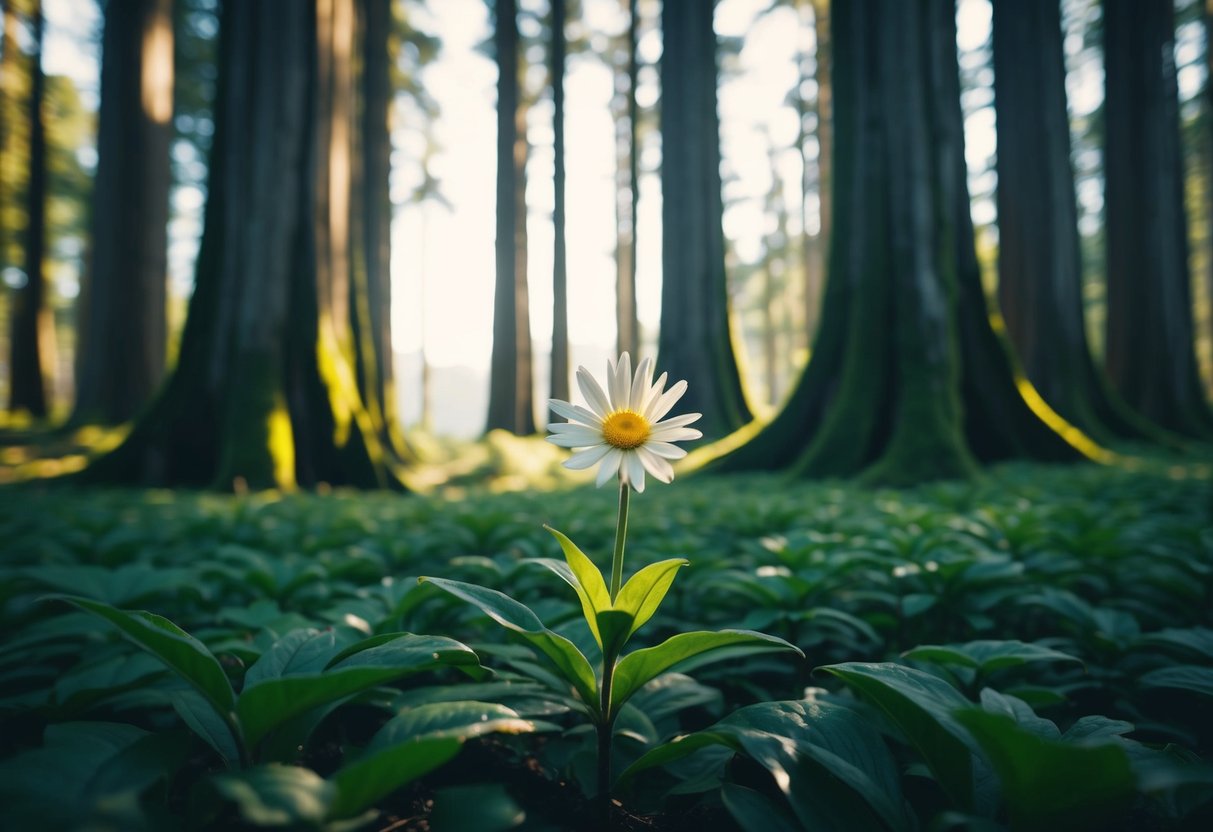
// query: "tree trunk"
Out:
[1039,261]
[9,67]
[816,246]
[627,189]
[265,392]
[905,336]
[511,404]
[695,342]
[31,344]
[371,289]
[560,303]
[122,328]
[1150,352]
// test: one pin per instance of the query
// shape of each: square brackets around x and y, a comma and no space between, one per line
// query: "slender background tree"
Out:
[122,309]
[511,385]
[1150,345]
[1040,289]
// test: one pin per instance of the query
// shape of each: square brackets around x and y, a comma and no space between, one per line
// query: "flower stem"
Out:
[606,731]
[621,533]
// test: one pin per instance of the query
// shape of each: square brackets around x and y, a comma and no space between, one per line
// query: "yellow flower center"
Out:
[625,429]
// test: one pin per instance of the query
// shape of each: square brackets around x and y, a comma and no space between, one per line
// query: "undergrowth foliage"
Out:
[1034,651]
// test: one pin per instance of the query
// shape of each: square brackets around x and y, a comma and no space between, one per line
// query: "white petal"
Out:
[665,449]
[640,384]
[610,465]
[635,471]
[662,406]
[652,394]
[679,421]
[584,459]
[655,465]
[592,391]
[621,383]
[674,435]
[574,412]
[574,436]
[564,440]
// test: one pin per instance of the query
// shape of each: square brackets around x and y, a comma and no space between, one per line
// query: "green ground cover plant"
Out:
[1031,651]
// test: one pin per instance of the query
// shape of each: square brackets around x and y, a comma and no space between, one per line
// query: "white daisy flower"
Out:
[622,428]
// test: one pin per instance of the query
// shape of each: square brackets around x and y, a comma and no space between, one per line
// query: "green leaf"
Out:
[1194,641]
[639,667]
[921,705]
[1021,712]
[477,808]
[85,684]
[415,742]
[70,782]
[1051,784]
[128,584]
[586,579]
[755,812]
[202,719]
[988,655]
[644,591]
[519,618]
[1190,677]
[809,748]
[269,703]
[183,653]
[614,626]
[299,651]
[278,795]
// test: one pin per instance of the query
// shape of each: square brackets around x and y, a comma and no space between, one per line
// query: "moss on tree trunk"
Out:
[266,390]
[907,382]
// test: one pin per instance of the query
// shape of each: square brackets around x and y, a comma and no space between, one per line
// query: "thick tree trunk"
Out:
[1039,261]
[695,342]
[511,392]
[122,330]
[904,332]
[560,303]
[1150,353]
[32,332]
[265,392]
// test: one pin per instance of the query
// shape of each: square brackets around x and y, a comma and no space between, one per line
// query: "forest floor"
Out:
[1067,611]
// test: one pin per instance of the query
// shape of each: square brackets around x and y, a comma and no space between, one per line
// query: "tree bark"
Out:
[695,341]
[1150,345]
[511,405]
[31,340]
[371,225]
[907,381]
[265,392]
[122,329]
[560,369]
[1039,261]
[627,190]
[815,246]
